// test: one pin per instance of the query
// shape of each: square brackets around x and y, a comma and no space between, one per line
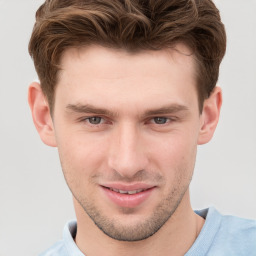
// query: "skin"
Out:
[129,119]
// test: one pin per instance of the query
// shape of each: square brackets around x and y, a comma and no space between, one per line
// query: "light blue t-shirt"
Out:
[220,236]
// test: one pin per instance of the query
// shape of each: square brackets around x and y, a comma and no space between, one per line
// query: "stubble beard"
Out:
[140,231]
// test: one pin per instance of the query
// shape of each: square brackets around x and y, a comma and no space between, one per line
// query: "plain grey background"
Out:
[34,200]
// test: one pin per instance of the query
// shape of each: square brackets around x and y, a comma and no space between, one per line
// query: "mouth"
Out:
[128,196]
[129,192]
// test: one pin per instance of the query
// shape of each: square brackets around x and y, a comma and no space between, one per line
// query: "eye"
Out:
[160,120]
[94,120]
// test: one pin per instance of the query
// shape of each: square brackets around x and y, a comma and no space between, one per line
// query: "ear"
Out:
[210,116]
[41,114]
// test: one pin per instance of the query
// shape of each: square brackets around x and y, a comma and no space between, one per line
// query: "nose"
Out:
[127,153]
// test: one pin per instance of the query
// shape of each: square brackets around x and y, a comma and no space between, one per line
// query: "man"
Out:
[127,91]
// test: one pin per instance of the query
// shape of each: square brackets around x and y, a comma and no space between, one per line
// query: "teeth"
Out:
[123,192]
[132,192]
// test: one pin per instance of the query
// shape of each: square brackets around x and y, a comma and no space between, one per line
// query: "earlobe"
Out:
[41,114]
[210,116]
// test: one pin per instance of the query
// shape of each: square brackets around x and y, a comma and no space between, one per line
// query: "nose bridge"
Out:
[127,156]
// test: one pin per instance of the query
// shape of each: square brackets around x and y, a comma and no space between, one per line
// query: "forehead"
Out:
[99,58]
[95,73]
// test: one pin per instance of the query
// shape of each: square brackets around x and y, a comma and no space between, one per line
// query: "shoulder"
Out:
[58,249]
[238,231]
[66,246]
[228,224]
[234,235]
[224,235]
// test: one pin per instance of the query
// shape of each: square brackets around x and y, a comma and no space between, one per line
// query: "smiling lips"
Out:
[128,196]
[131,192]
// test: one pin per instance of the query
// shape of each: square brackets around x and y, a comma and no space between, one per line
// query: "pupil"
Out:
[160,120]
[95,120]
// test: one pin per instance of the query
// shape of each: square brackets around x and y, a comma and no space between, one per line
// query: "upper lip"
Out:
[128,187]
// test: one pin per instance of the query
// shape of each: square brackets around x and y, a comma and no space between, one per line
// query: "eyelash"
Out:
[87,120]
[158,118]
[94,117]
[152,120]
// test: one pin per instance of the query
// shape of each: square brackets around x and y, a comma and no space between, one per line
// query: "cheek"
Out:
[81,154]
[174,154]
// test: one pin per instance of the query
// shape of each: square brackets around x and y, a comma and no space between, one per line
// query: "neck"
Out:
[174,238]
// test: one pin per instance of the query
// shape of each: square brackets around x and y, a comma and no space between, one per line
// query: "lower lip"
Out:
[126,200]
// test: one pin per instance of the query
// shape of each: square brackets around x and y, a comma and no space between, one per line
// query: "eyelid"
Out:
[85,119]
[82,118]
[169,118]
[108,120]
[88,119]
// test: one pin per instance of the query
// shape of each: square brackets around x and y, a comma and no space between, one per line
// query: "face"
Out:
[127,127]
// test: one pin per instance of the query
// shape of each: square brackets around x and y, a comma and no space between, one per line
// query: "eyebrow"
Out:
[90,109]
[169,109]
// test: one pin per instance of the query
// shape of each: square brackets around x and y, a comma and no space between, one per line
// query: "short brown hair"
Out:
[132,25]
